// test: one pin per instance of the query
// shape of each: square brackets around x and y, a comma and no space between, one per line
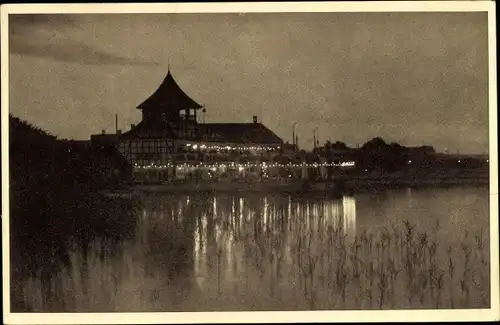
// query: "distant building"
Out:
[420,151]
[72,145]
[104,140]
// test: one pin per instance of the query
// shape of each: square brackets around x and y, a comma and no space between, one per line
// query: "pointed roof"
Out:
[169,96]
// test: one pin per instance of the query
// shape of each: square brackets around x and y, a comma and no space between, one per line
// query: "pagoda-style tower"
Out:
[170,104]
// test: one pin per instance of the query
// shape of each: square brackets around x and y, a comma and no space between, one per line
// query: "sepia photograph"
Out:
[333,160]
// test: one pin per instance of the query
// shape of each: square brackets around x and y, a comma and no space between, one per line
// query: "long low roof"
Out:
[149,130]
[242,132]
[217,132]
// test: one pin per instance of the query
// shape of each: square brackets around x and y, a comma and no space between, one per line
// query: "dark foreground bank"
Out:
[54,202]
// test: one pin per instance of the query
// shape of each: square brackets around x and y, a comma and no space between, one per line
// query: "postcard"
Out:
[249,162]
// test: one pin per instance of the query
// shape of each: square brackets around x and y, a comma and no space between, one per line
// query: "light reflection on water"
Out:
[251,252]
[235,232]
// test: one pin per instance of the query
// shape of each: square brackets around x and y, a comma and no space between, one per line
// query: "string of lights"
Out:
[230,148]
[263,165]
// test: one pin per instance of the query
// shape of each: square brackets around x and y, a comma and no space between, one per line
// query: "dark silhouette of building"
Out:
[170,132]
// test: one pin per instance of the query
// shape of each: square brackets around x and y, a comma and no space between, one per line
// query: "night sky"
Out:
[413,78]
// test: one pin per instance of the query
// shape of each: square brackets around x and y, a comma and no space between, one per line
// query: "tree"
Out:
[338,145]
[375,144]
[395,145]
[377,154]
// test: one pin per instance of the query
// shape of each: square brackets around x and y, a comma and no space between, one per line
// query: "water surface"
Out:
[425,248]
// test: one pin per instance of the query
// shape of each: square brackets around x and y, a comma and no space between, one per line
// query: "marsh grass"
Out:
[322,268]
[95,284]
[401,267]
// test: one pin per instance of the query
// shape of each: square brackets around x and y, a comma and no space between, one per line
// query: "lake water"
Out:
[426,248]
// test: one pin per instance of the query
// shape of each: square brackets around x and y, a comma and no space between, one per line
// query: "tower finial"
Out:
[169,63]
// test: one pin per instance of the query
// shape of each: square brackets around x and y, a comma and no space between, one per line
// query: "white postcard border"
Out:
[253,317]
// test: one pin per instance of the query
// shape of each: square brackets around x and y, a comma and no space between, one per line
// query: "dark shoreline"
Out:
[350,186]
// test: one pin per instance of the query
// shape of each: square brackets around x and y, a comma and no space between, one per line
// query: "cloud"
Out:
[27,39]
[24,24]
[71,51]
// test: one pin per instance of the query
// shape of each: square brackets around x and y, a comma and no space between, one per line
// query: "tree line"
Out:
[377,154]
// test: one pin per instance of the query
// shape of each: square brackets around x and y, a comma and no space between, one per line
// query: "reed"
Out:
[451,273]
[466,278]
[394,271]
[219,267]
